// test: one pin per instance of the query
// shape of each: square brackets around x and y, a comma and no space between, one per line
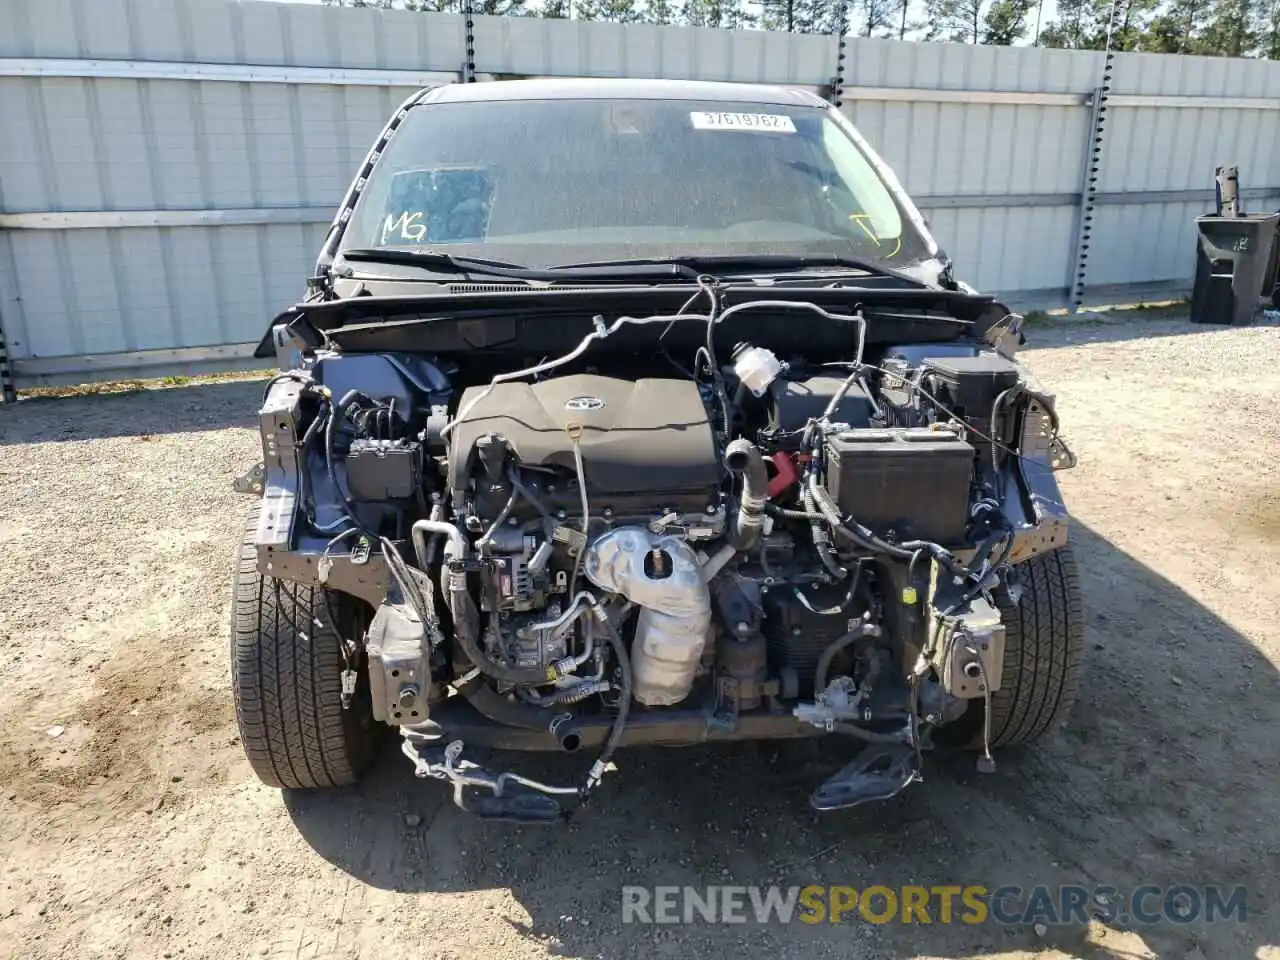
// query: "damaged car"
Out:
[624,413]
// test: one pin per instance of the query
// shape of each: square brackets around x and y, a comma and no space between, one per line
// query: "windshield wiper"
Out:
[448,263]
[758,264]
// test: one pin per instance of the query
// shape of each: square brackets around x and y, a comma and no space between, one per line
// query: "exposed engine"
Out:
[631,484]
[814,543]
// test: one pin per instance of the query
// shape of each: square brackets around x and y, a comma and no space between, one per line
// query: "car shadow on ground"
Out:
[146,412]
[1162,777]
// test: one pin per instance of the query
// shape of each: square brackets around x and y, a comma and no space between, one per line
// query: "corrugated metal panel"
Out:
[988,150]
[106,144]
[94,144]
[1007,250]
[112,291]
[230,31]
[1178,148]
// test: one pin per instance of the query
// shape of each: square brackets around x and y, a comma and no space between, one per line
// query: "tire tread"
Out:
[286,670]
[1044,652]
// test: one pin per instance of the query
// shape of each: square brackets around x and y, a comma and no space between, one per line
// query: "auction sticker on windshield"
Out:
[755,122]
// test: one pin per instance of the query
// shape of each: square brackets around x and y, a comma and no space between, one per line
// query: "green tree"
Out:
[957,20]
[1074,27]
[1232,30]
[1178,28]
[904,8]
[800,16]
[661,11]
[728,14]
[873,18]
[1133,22]
[1083,25]
[1268,29]
[493,8]
[1006,22]
[614,11]
[778,15]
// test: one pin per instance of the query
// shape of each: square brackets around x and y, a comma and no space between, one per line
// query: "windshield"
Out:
[548,182]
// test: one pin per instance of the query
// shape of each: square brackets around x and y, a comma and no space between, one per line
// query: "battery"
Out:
[911,483]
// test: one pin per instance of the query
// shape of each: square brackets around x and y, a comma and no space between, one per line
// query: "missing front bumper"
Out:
[674,728]
[879,772]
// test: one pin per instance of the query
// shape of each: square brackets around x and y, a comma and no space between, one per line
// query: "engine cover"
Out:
[637,436]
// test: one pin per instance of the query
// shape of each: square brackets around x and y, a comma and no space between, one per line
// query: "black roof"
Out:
[618,89]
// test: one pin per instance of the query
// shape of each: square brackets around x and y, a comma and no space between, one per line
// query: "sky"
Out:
[914,13]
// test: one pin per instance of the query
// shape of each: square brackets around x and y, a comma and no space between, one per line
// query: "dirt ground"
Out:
[130,825]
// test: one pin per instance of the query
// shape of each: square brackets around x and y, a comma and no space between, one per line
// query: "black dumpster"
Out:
[1235,267]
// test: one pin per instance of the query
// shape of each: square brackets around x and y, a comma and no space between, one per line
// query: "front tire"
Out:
[1043,653]
[286,665]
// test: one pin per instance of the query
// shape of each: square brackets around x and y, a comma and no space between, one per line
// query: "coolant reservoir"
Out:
[662,576]
[756,367]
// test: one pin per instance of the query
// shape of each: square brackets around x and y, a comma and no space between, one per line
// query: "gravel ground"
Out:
[130,826]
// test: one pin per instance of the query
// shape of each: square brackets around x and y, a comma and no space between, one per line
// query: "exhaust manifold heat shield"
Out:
[662,576]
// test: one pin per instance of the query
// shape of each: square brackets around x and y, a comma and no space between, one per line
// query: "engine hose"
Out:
[624,708]
[486,541]
[743,458]
[317,422]
[512,713]
[876,409]
[513,475]
[782,513]
[437,514]
[860,632]
[562,725]
[348,507]
[822,540]
[856,534]
[455,548]
[998,429]
[831,513]
[573,694]
[834,611]
[838,397]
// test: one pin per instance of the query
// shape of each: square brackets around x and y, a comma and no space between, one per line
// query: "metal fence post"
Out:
[8,392]
[1092,166]
[7,389]
[842,33]
[469,63]
[1088,197]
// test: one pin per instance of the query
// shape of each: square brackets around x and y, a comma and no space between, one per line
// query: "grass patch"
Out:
[1112,313]
[136,385]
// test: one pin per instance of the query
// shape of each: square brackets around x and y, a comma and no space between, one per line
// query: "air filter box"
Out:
[968,386]
[911,481]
